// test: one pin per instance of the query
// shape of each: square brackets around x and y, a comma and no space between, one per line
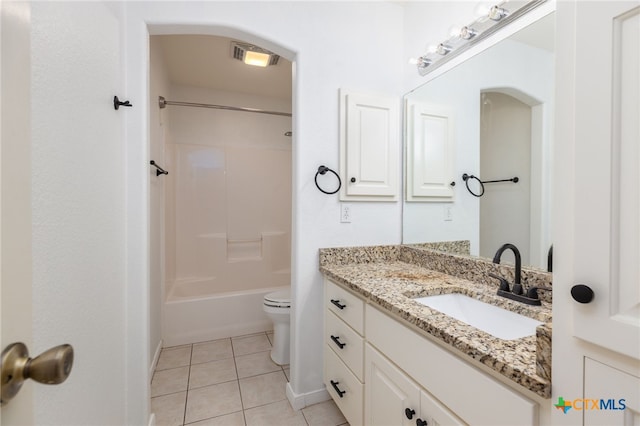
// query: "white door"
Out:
[15,204]
[607,175]
[72,188]
[596,212]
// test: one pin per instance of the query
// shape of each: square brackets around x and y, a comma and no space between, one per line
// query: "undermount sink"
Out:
[491,319]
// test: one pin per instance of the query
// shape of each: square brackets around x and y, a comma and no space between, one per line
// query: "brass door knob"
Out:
[52,367]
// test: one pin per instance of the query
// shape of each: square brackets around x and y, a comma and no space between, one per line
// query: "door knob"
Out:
[52,367]
[582,293]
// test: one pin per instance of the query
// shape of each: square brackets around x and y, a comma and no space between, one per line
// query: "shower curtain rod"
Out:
[163,103]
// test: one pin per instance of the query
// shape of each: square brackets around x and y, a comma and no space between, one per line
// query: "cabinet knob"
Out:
[421,422]
[582,293]
[409,413]
[452,183]
[353,180]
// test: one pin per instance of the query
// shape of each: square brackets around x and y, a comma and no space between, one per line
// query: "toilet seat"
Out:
[278,299]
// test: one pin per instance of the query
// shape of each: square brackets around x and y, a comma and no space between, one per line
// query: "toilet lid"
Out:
[281,299]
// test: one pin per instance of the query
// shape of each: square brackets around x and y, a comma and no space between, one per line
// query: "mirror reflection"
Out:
[499,122]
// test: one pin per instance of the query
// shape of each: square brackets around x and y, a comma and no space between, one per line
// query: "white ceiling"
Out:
[206,61]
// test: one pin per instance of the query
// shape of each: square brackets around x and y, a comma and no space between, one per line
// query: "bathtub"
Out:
[193,313]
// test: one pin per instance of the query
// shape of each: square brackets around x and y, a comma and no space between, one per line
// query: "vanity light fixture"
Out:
[423,62]
[467,33]
[253,55]
[492,19]
[497,13]
[443,49]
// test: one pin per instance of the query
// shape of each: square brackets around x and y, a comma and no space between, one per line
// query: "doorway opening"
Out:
[511,146]
[221,219]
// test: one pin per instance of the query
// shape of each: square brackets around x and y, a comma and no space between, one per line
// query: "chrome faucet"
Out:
[517,286]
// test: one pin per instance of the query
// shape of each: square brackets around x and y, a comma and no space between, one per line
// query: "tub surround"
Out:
[390,276]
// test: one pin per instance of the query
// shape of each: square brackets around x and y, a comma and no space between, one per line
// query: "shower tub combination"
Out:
[229,304]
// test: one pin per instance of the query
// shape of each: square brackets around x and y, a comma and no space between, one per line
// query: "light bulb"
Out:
[467,33]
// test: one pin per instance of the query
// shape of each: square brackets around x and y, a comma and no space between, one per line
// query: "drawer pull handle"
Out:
[337,303]
[421,422]
[409,413]
[335,386]
[337,342]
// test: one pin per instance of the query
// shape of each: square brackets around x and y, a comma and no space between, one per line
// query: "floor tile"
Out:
[250,344]
[169,381]
[255,364]
[275,414]
[263,389]
[323,414]
[179,356]
[169,409]
[211,351]
[211,373]
[213,401]
[233,419]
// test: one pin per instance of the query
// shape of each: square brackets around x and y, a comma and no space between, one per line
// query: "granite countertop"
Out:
[390,284]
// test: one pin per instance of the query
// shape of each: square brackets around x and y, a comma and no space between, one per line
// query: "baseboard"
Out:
[152,419]
[154,362]
[299,401]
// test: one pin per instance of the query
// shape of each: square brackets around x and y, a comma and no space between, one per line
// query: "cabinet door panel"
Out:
[607,176]
[369,147]
[345,342]
[619,391]
[430,152]
[434,413]
[345,305]
[345,388]
[388,393]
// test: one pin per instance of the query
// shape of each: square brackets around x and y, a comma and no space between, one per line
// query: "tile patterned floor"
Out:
[229,382]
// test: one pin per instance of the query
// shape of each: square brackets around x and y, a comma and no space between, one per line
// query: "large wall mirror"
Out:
[500,122]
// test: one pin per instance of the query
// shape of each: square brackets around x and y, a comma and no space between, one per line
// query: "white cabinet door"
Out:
[369,147]
[606,183]
[617,393]
[434,413]
[389,393]
[430,152]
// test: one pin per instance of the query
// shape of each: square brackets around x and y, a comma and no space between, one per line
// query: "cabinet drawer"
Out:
[337,377]
[347,306]
[345,342]
[473,395]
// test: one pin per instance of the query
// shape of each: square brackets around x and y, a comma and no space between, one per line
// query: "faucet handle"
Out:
[504,284]
[532,293]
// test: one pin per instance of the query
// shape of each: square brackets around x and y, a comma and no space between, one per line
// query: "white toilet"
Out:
[277,306]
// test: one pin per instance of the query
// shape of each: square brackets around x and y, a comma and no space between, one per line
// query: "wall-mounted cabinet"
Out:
[369,147]
[430,152]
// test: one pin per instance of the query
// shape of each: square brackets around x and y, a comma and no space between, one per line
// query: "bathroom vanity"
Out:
[389,359]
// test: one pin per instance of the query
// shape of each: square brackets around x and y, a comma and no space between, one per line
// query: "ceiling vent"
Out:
[253,55]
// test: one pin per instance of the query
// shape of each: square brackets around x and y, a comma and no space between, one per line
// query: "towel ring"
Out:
[467,178]
[323,170]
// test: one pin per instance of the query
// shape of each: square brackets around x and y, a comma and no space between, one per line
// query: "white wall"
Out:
[354,45]
[81,286]
[158,132]
[505,152]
